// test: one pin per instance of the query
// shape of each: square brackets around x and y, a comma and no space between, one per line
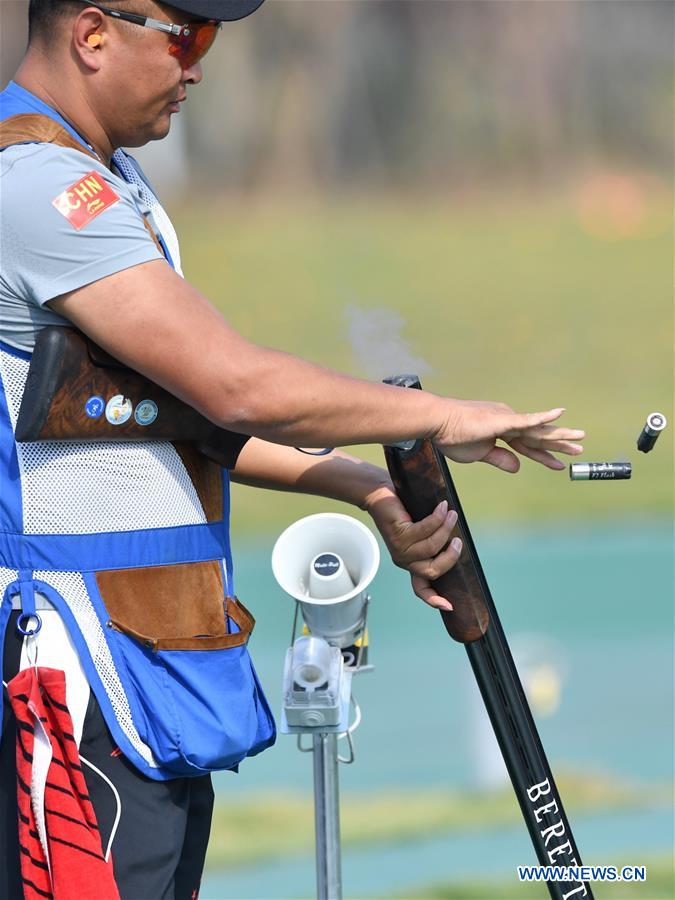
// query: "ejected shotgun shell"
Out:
[600,471]
[655,424]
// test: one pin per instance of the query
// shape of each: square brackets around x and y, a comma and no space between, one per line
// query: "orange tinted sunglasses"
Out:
[188,43]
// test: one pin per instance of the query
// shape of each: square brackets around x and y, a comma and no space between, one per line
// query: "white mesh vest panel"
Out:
[71,586]
[7,576]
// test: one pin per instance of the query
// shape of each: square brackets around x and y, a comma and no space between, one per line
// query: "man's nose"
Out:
[193,74]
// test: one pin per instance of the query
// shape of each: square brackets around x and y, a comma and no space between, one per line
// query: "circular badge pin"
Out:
[94,407]
[118,409]
[146,412]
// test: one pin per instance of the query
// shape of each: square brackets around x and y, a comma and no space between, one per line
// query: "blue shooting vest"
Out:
[129,541]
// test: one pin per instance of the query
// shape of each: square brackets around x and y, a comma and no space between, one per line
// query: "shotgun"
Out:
[422,480]
[76,391]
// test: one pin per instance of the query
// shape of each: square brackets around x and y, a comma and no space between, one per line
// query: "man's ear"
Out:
[89,38]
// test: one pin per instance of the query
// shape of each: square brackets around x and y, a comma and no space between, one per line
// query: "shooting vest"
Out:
[129,542]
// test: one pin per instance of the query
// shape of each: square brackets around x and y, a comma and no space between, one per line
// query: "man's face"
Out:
[144,83]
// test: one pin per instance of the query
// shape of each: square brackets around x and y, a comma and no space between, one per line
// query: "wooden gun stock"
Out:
[422,479]
[67,370]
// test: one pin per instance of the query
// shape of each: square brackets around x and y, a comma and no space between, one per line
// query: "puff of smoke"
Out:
[377,343]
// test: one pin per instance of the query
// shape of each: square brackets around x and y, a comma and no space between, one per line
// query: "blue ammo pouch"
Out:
[182,658]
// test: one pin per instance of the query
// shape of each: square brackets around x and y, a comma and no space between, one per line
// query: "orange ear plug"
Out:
[94,40]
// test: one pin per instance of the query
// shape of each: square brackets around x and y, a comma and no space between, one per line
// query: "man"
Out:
[119,549]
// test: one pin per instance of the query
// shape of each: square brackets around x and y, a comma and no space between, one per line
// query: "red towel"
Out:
[53,799]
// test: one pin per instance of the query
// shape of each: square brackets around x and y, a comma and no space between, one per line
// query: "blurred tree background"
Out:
[425,93]
[430,93]
[489,180]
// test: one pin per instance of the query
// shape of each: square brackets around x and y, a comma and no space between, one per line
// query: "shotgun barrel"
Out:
[422,479]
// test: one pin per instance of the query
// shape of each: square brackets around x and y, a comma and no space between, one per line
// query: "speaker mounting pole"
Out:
[327,817]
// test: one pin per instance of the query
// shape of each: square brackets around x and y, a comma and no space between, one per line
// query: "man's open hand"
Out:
[471,433]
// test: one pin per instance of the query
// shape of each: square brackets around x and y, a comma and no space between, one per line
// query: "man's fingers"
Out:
[517,422]
[541,456]
[537,426]
[546,433]
[502,459]
[425,592]
[416,532]
[567,447]
[430,546]
[431,569]
[534,449]
[563,434]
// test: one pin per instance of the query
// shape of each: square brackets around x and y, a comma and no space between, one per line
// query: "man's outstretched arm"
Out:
[156,323]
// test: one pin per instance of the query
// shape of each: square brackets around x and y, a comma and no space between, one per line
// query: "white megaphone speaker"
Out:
[326,562]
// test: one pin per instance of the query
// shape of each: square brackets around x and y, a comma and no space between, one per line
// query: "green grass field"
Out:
[519,300]
[660,885]
[280,824]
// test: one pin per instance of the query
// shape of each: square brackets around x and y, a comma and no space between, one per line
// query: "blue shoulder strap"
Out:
[16,101]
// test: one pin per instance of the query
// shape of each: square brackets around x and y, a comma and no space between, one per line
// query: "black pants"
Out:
[159,847]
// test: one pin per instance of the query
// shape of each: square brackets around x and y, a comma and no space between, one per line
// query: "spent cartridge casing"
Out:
[654,425]
[600,471]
